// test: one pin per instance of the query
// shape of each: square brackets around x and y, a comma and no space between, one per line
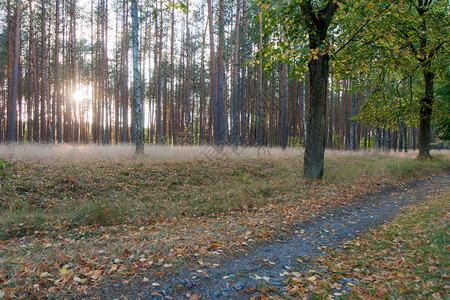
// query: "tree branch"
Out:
[328,12]
[309,14]
[359,30]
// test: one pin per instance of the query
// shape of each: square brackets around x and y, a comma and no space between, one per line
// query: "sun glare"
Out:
[80,94]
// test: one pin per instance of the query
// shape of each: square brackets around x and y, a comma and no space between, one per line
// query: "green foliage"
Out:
[442,109]
[4,171]
[398,47]
[297,142]
[387,109]
[370,143]
[337,140]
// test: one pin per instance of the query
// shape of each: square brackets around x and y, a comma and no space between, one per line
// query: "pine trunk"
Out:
[136,81]
[12,99]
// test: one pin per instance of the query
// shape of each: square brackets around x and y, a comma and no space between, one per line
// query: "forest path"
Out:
[237,278]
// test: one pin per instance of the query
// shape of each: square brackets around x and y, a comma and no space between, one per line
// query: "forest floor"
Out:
[86,223]
[331,255]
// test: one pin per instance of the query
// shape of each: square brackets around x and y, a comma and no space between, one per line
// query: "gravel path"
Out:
[238,277]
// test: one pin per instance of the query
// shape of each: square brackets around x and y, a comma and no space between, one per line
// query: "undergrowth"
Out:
[44,196]
[65,227]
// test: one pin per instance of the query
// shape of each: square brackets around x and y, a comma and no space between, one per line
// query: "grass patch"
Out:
[110,219]
[107,193]
[349,168]
[404,259]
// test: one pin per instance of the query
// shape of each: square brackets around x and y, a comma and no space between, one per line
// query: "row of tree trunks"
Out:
[263,109]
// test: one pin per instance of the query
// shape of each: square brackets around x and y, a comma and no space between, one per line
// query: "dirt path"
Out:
[238,278]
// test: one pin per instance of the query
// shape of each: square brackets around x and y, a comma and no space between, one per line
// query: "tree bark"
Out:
[317,26]
[202,91]
[353,124]
[212,75]
[235,123]
[260,80]
[243,72]
[172,79]
[12,100]
[136,81]
[188,79]
[426,105]
[220,138]
[57,87]
[284,129]
[124,57]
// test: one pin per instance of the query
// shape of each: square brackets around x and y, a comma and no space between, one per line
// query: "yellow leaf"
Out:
[45,274]
[312,278]
[296,274]
[78,279]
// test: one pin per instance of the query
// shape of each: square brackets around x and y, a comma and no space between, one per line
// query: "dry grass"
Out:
[68,154]
[65,202]
[107,185]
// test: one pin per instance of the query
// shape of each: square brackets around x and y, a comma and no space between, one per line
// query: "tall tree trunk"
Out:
[426,109]
[235,123]
[48,137]
[425,55]
[284,129]
[221,138]
[107,137]
[243,72]
[19,133]
[124,135]
[57,87]
[378,139]
[388,140]
[136,81]
[158,60]
[172,79]
[73,58]
[212,75]
[317,26]
[330,124]
[202,91]
[188,78]
[405,138]
[117,84]
[304,111]
[260,80]
[43,94]
[28,81]
[12,100]
[9,100]
[353,124]
[400,138]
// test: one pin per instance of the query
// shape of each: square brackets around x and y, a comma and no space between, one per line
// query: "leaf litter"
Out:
[66,258]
